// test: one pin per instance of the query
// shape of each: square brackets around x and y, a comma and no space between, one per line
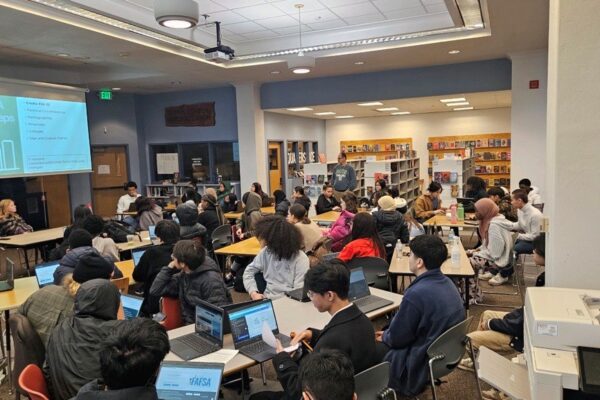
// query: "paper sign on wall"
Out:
[104,169]
[167,163]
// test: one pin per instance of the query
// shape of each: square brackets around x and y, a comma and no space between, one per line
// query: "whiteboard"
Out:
[167,163]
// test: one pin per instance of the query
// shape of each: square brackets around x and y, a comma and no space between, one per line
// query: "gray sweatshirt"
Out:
[498,248]
[344,178]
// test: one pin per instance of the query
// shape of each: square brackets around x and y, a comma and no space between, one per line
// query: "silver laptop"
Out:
[189,380]
[208,335]
[9,283]
[44,273]
[360,294]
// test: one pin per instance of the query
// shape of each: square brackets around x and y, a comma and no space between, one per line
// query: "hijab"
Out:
[487,210]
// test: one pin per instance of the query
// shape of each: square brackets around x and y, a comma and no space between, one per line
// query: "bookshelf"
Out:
[317,174]
[491,154]
[403,174]
[453,171]
[298,154]
[381,149]
[175,191]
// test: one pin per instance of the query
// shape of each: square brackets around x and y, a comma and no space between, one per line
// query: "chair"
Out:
[122,284]
[375,269]
[171,309]
[33,383]
[29,348]
[446,352]
[371,384]
[539,207]
[221,237]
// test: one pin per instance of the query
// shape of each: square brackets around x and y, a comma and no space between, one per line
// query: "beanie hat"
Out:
[386,203]
[79,238]
[400,202]
[92,266]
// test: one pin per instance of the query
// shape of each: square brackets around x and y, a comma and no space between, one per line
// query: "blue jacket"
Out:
[430,306]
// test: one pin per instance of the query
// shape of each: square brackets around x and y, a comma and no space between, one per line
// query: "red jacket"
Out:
[359,248]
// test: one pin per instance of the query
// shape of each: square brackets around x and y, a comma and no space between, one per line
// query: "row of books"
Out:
[461,144]
[491,156]
[497,182]
[492,169]
[375,147]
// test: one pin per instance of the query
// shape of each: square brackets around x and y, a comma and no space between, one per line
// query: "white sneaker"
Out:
[498,280]
[494,394]
[486,276]
[466,364]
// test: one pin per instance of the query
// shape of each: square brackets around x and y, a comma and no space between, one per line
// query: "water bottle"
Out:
[451,238]
[455,253]
[461,212]
[453,218]
[398,249]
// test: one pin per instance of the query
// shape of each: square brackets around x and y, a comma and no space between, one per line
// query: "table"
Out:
[329,217]
[10,300]
[287,312]
[443,220]
[126,268]
[236,215]
[141,239]
[399,268]
[248,247]
[30,240]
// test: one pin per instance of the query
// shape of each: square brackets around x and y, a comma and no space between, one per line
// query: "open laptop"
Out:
[9,283]
[179,380]
[360,294]
[44,273]
[131,305]
[151,232]
[132,207]
[246,329]
[137,254]
[208,335]
[300,294]
[465,200]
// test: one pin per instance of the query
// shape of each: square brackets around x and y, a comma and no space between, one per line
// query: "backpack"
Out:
[118,231]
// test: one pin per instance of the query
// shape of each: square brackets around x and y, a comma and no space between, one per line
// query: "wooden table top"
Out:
[24,287]
[329,216]
[399,266]
[443,220]
[248,247]
[236,215]
[126,268]
[33,238]
[137,243]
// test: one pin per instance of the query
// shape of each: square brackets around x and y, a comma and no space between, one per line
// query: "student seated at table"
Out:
[503,201]
[211,216]
[107,247]
[301,198]
[129,361]
[327,375]
[79,214]
[280,260]
[430,306]
[191,198]
[381,190]
[153,259]
[189,227]
[230,203]
[72,356]
[365,240]
[533,193]
[80,244]
[475,190]
[148,212]
[191,276]
[282,204]
[10,222]
[128,198]
[251,215]
[390,225]
[223,191]
[401,204]
[429,204]
[340,230]
[327,201]
[349,330]
[310,231]
[265,200]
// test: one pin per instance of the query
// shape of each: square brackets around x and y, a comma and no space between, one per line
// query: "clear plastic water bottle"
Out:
[455,253]
[398,249]
[451,238]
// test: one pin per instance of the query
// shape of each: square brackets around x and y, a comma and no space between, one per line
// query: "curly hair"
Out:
[281,237]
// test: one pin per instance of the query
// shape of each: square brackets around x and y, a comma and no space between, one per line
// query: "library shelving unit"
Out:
[403,174]
[379,149]
[453,171]
[491,153]
[299,153]
[176,190]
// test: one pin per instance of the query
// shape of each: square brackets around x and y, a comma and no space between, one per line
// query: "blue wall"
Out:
[481,76]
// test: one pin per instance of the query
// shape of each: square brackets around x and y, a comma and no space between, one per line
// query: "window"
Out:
[196,161]
[226,160]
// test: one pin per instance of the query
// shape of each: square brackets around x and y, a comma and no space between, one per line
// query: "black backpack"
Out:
[118,231]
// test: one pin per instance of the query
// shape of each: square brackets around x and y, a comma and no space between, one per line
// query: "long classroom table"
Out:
[328,217]
[291,316]
[248,247]
[443,220]
[236,215]
[32,240]
[140,239]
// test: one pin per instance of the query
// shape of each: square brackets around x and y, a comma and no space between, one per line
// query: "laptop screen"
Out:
[151,232]
[246,323]
[358,285]
[45,273]
[209,322]
[136,255]
[179,381]
[131,305]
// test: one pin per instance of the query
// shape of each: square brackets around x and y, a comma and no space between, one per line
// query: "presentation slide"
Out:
[41,136]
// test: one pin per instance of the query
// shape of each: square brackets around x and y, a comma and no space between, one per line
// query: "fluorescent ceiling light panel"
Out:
[401,113]
[370,104]
[299,109]
[387,109]
[460,103]
[325,113]
[463,108]
[453,100]
[344,116]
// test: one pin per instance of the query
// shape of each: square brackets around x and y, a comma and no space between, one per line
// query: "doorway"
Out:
[108,178]
[275,167]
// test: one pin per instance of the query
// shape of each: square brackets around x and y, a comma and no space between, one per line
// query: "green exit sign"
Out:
[105,94]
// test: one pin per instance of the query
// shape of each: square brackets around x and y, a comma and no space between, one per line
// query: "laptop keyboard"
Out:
[196,343]
[261,347]
[370,303]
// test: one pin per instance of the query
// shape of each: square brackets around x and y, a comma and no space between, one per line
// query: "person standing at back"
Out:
[343,177]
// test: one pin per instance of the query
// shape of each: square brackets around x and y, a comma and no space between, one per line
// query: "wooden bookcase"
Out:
[382,149]
[491,153]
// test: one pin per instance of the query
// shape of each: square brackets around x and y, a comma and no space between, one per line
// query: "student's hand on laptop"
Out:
[298,337]
[379,336]
[257,296]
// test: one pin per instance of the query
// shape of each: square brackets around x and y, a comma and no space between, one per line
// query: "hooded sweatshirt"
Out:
[189,227]
[534,196]
[497,248]
[221,195]
[343,178]
[72,356]
[70,260]
[96,391]
[150,217]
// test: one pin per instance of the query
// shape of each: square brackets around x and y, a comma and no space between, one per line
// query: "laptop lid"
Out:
[151,232]
[10,273]
[247,322]
[44,273]
[359,287]
[209,322]
[132,207]
[131,305]
[189,380]
[137,254]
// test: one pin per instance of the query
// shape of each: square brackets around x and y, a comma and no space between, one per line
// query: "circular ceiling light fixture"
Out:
[176,14]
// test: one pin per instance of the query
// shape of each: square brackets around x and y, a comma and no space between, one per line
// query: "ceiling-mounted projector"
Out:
[221,53]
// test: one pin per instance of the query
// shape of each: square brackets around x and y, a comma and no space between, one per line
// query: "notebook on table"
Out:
[131,305]
[360,294]
[9,283]
[246,329]
[44,273]
[189,380]
[207,336]
[136,255]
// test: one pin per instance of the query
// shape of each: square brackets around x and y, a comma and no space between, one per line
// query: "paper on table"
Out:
[222,356]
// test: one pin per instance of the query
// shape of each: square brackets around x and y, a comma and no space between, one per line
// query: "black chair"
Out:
[29,348]
[372,383]
[375,269]
[221,237]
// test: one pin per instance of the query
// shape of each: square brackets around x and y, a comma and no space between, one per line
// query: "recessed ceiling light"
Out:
[116,89]
[275,72]
[460,103]
[401,113]
[359,63]
[454,52]
[388,109]
[301,70]
[344,116]
[463,109]
[63,54]
[299,109]
[455,99]
[370,104]
[325,113]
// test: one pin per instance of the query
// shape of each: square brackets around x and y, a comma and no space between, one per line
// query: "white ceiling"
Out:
[417,105]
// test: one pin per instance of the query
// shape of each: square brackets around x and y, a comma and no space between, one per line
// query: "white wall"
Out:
[419,127]
[528,118]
